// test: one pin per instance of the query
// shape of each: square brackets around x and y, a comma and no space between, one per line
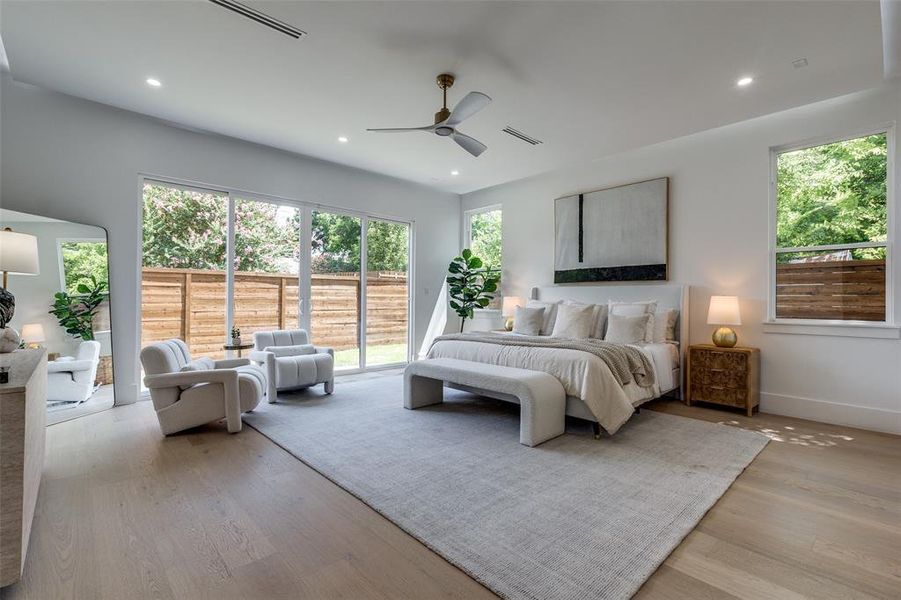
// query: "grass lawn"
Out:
[375,355]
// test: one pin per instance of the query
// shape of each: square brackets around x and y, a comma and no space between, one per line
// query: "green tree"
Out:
[486,237]
[187,229]
[82,263]
[184,229]
[833,194]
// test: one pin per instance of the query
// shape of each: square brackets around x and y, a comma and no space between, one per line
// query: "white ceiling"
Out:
[588,79]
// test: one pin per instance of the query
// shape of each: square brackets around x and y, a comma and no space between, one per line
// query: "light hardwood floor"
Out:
[125,513]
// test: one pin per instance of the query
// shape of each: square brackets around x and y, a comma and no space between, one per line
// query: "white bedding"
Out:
[583,375]
[665,357]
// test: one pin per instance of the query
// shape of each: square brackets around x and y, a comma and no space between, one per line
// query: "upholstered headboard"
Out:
[667,296]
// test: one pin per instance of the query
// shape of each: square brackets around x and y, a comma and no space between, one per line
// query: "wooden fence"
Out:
[846,289]
[190,304]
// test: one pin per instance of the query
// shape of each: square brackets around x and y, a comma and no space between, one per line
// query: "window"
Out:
[831,231]
[82,260]
[483,234]
[216,259]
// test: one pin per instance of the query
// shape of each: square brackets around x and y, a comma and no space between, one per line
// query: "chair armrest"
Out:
[69,365]
[227,377]
[231,363]
[165,380]
[324,350]
[260,356]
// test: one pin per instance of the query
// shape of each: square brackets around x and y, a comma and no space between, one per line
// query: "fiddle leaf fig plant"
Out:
[471,284]
[76,312]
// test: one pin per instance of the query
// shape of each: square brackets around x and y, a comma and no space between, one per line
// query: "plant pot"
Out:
[236,341]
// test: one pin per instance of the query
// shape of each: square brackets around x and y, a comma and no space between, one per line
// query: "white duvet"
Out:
[583,375]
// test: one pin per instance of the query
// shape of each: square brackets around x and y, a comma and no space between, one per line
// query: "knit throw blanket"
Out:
[627,363]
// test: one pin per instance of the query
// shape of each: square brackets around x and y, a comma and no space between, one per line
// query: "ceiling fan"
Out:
[446,121]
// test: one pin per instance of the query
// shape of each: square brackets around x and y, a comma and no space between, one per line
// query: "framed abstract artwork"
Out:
[615,234]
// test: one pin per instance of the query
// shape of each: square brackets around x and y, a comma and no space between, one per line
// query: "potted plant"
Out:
[76,313]
[236,336]
[471,284]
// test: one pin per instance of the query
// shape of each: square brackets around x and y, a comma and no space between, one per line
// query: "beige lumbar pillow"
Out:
[626,330]
[528,321]
[574,321]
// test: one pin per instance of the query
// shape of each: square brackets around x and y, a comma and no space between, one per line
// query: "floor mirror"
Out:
[65,308]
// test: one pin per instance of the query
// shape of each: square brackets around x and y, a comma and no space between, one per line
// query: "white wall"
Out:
[719,199]
[70,159]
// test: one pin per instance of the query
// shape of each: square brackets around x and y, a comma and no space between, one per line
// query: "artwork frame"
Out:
[619,233]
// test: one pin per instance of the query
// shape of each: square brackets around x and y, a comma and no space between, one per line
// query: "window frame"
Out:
[841,327]
[467,239]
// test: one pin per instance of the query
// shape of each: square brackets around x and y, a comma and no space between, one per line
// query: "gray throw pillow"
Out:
[528,321]
[626,330]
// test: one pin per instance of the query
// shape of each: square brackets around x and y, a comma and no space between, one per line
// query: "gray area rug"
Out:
[574,518]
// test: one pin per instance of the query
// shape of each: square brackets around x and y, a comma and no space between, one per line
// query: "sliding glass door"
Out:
[214,260]
[335,286]
[387,292]
[267,267]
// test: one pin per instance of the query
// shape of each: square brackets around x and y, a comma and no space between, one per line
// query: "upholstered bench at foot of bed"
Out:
[540,395]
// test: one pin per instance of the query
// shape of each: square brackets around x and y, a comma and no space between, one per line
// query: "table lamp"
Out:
[33,335]
[508,309]
[19,256]
[724,311]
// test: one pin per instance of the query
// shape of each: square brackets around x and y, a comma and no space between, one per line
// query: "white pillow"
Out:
[626,330]
[599,319]
[631,309]
[550,314]
[528,321]
[665,325]
[299,350]
[574,321]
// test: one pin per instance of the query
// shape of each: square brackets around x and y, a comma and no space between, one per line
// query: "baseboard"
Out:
[862,417]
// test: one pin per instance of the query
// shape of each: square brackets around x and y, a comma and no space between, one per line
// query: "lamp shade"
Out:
[33,333]
[18,253]
[724,310]
[508,307]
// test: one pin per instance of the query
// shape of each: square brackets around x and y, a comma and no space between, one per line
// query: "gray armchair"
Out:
[291,362]
[187,393]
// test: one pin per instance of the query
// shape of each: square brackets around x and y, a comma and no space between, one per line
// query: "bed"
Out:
[592,392]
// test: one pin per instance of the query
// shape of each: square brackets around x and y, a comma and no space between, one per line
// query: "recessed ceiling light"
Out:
[744,81]
[153,82]
[455,172]
[343,139]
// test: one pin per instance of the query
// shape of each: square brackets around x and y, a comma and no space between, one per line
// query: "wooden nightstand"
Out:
[725,376]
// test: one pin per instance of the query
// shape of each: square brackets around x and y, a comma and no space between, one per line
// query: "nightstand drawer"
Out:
[720,378]
[703,359]
[719,395]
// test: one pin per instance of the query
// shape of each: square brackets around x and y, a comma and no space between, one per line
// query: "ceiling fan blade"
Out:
[472,103]
[471,145]
[403,129]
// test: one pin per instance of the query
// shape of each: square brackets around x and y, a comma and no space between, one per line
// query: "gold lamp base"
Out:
[509,324]
[725,337]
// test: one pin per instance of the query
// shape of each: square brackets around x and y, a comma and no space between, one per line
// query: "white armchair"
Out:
[187,393]
[71,379]
[291,362]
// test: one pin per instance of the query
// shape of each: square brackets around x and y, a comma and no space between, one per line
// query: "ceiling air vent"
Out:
[260,17]
[518,134]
